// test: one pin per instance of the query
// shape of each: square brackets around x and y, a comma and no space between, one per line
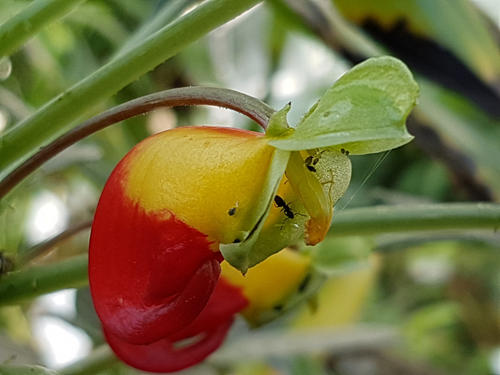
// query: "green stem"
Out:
[161,18]
[100,359]
[17,30]
[184,96]
[31,282]
[25,369]
[412,218]
[25,138]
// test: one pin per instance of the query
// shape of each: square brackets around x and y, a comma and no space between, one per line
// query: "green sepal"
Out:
[363,112]
[243,255]
[278,124]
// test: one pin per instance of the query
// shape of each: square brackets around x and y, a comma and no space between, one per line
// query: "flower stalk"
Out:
[34,281]
[255,109]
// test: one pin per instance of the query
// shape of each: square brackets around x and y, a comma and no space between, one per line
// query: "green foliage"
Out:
[363,112]
[441,296]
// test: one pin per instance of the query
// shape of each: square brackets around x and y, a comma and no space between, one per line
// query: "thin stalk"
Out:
[24,139]
[100,359]
[31,282]
[34,281]
[18,29]
[25,369]
[413,218]
[247,105]
[43,247]
[162,17]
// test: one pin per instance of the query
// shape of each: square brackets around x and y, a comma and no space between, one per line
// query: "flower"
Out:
[166,210]
[182,201]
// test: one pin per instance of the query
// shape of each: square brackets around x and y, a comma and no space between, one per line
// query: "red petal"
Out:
[208,330]
[152,278]
[150,275]
[163,356]
[226,301]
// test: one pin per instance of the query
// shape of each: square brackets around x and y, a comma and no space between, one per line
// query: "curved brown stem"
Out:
[184,96]
[46,245]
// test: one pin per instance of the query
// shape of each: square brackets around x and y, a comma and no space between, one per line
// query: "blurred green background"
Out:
[420,304]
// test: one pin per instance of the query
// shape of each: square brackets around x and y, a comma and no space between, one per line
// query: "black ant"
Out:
[344,151]
[232,210]
[312,160]
[285,208]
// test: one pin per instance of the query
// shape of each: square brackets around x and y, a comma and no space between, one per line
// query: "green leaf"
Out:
[363,112]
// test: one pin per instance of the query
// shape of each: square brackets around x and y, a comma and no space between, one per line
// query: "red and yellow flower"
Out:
[167,210]
[184,200]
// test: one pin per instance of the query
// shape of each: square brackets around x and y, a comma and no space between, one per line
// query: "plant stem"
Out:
[412,218]
[100,359]
[34,281]
[17,30]
[184,96]
[31,282]
[51,120]
[162,17]
[41,248]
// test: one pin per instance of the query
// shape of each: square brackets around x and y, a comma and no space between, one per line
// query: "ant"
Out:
[285,208]
[232,210]
[312,160]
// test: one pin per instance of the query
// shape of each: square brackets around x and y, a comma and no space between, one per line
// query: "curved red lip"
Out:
[154,282]
[207,331]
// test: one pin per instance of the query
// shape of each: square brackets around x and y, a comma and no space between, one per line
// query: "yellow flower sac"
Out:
[211,178]
[154,250]
[177,202]
[269,284]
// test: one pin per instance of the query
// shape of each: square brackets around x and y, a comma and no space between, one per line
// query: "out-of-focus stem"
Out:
[45,246]
[17,30]
[414,218]
[31,282]
[100,359]
[34,281]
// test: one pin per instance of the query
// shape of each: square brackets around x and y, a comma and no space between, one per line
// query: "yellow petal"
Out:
[340,300]
[269,282]
[211,178]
